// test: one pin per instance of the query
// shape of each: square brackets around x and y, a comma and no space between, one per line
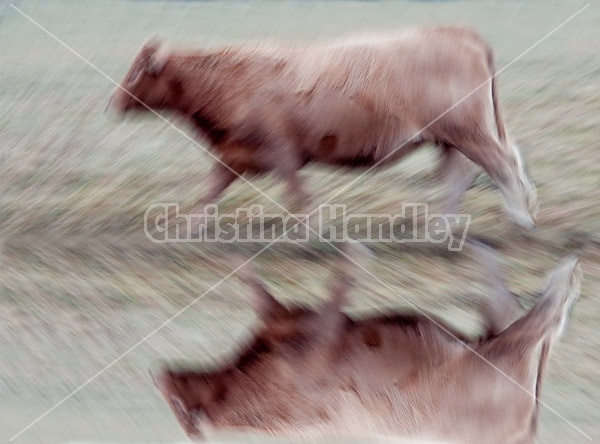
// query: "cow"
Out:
[320,372]
[355,102]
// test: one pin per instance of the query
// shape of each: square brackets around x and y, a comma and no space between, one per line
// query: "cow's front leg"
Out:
[219,179]
[287,168]
[297,204]
[298,196]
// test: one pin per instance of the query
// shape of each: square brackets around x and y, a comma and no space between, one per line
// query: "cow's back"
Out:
[359,99]
[354,101]
[399,71]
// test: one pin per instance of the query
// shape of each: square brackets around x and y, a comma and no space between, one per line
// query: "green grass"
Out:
[80,284]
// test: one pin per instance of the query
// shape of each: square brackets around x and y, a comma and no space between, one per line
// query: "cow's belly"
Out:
[367,156]
[350,150]
[343,131]
[353,138]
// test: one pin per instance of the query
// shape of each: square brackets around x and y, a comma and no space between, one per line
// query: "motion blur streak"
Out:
[80,282]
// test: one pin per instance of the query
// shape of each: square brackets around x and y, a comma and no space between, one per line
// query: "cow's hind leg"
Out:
[218,180]
[456,173]
[504,165]
[298,196]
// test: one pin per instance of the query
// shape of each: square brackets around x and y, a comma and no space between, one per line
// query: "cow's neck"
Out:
[202,95]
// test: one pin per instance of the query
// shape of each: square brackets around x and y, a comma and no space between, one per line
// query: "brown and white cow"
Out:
[359,102]
[400,375]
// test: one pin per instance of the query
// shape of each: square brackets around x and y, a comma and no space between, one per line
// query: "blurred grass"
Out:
[80,284]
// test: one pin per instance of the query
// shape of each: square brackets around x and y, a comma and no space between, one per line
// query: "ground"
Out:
[82,288]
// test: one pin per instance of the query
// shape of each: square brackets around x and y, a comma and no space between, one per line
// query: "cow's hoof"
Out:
[524,221]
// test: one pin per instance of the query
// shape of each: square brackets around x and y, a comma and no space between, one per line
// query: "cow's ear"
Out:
[144,63]
[267,307]
[158,374]
[152,63]
[179,408]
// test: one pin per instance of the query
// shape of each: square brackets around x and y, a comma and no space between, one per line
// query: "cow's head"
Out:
[147,85]
[186,393]
[267,382]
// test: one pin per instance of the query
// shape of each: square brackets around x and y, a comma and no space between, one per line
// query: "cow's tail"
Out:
[547,319]
[497,114]
[508,145]
[544,356]
[545,322]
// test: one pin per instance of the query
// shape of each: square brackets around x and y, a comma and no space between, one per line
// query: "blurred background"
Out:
[80,284]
